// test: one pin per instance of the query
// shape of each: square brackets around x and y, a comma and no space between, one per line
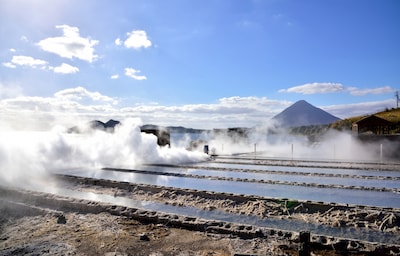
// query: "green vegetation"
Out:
[314,132]
[392,115]
[290,204]
[345,124]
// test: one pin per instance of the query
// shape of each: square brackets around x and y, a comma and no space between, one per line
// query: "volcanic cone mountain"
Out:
[303,113]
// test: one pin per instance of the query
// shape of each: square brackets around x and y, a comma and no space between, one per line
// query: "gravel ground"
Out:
[42,224]
[106,234]
[371,218]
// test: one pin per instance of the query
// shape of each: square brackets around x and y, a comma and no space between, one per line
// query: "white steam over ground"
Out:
[334,145]
[26,157]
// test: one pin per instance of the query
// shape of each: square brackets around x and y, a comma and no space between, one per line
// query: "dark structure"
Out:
[197,144]
[163,135]
[96,125]
[108,127]
[377,131]
[237,133]
[372,125]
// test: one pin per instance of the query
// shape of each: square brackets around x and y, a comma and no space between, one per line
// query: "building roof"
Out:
[372,120]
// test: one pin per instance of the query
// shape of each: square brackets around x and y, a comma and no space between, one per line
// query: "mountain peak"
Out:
[301,101]
[302,113]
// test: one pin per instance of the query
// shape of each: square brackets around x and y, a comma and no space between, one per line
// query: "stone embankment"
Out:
[37,201]
[332,214]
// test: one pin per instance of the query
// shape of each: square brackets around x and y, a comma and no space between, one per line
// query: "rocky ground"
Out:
[34,223]
[39,231]
[103,234]
[73,233]
[335,215]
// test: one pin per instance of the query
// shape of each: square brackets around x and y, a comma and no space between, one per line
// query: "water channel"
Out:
[282,224]
[323,194]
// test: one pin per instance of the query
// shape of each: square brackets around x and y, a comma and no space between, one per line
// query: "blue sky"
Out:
[200,64]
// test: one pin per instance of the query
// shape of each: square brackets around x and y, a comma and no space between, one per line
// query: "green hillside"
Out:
[392,115]
[315,132]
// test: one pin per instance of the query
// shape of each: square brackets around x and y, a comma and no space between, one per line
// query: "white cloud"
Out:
[358,109]
[9,65]
[323,88]
[25,61]
[67,106]
[136,39]
[24,39]
[70,45]
[118,41]
[72,104]
[114,77]
[12,50]
[10,91]
[80,93]
[253,102]
[361,92]
[28,61]
[43,113]
[314,88]
[133,73]
[65,69]
[227,112]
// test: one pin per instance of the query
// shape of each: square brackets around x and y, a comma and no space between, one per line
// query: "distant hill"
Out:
[109,126]
[180,129]
[173,129]
[303,113]
[392,115]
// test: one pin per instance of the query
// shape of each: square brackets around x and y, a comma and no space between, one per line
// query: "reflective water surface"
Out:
[346,196]
[313,193]
[282,177]
[282,224]
[305,169]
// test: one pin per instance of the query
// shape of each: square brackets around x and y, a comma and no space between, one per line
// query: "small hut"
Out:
[372,125]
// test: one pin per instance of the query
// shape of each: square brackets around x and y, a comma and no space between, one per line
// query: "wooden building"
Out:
[372,125]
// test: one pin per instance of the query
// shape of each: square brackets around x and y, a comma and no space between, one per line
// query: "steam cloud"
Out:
[269,141]
[27,157]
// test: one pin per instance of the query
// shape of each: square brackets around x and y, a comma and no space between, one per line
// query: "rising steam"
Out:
[271,140]
[27,157]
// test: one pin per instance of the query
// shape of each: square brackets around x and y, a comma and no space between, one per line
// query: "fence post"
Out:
[305,248]
[292,151]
